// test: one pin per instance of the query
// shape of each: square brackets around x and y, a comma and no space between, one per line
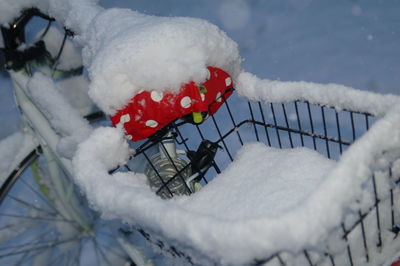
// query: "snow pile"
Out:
[10,10]
[105,149]
[73,14]
[127,52]
[65,119]
[287,200]
[75,91]
[264,182]
[13,149]
[338,96]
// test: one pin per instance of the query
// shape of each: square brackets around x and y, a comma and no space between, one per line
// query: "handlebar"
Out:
[14,36]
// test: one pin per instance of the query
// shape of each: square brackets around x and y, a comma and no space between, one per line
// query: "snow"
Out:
[13,149]
[315,41]
[75,91]
[65,119]
[265,182]
[334,95]
[237,217]
[73,14]
[126,52]
[11,9]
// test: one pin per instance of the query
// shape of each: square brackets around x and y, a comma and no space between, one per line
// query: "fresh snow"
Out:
[75,91]
[279,204]
[74,14]
[334,95]
[262,182]
[65,119]
[126,52]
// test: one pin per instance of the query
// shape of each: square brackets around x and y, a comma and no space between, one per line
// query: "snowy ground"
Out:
[354,43]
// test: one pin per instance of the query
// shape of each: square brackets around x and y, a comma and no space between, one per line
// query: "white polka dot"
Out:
[186,102]
[156,96]
[208,74]
[218,98]
[142,102]
[203,96]
[151,123]
[129,137]
[125,118]
[228,81]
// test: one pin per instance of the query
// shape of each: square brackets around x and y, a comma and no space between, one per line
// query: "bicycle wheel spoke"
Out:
[42,246]
[27,226]
[67,258]
[97,246]
[26,256]
[40,195]
[96,252]
[32,243]
[36,218]
[112,250]
[70,260]
[78,253]
[27,204]
[8,226]
[57,259]
[44,199]
[23,258]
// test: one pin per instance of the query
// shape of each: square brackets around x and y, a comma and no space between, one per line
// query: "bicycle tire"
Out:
[38,232]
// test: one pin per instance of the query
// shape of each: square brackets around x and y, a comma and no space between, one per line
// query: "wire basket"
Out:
[287,125]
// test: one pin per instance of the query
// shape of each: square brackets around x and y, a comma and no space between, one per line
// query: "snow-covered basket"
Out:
[307,174]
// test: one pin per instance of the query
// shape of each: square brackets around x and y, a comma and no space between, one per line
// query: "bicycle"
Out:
[186,161]
[44,217]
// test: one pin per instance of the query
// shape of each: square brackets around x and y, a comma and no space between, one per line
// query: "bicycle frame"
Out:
[60,168]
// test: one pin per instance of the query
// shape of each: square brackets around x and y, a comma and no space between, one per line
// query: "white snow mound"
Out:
[127,52]
[341,97]
[261,187]
[262,182]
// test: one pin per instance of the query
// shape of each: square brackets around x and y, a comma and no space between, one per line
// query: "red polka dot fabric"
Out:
[150,111]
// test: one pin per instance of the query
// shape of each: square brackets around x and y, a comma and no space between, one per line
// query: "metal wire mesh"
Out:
[288,125]
[284,125]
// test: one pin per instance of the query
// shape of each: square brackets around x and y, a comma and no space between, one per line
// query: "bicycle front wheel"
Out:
[36,228]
